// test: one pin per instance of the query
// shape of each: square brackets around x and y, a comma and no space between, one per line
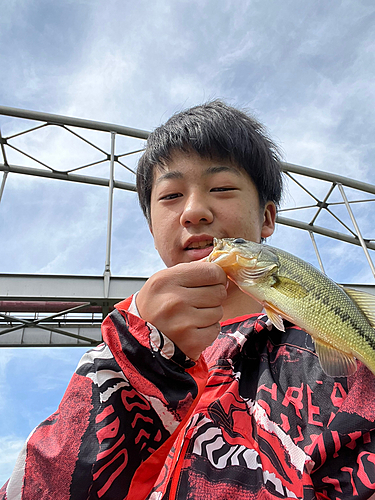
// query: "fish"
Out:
[340,320]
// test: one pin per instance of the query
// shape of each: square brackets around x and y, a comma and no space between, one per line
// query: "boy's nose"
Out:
[196,212]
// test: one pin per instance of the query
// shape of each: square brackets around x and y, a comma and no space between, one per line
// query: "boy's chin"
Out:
[198,253]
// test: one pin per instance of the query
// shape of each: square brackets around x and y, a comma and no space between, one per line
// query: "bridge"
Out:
[66,310]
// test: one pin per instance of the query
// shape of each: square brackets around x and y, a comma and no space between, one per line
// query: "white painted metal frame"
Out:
[70,294]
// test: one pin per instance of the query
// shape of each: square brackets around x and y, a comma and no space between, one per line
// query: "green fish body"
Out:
[340,320]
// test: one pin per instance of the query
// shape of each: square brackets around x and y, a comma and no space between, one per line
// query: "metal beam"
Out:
[326,176]
[288,167]
[39,306]
[35,337]
[356,227]
[72,325]
[323,231]
[85,179]
[71,288]
[107,266]
[74,122]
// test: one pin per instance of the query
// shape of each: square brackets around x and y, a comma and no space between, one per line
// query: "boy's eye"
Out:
[171,196]
[219,189]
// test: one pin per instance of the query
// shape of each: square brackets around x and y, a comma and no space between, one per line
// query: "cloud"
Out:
[304,68]
[32,383]
[10,446]
[44,48]
[295,66]
[5,358]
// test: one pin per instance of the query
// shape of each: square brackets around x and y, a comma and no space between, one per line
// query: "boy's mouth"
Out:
[199,247]
[199,244]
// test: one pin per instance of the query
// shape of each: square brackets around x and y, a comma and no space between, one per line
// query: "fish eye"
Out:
[239,241]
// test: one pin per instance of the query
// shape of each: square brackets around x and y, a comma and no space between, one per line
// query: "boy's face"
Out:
[195,199]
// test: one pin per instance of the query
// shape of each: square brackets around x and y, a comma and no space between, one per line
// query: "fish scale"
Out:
[324,294]
[290,288]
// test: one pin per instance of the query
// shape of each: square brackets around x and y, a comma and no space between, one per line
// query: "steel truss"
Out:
[55,310]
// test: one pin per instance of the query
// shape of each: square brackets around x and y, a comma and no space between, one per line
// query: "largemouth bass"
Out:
[340,320]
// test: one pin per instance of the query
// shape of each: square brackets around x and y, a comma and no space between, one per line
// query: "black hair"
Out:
[218,131]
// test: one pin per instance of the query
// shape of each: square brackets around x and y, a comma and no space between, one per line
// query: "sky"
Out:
[304,69]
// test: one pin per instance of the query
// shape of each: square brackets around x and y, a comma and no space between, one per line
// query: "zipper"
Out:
[183,441]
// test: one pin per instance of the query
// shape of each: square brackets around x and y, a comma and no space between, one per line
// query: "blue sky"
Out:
[305,69]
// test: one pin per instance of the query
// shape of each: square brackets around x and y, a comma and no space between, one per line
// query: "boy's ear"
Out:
[269,219]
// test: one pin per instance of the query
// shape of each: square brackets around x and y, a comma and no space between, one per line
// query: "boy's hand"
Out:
[185,303]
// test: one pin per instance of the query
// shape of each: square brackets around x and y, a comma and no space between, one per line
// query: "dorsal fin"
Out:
[365,301]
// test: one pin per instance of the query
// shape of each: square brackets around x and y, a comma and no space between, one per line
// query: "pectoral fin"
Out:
[290,288]
[275,318]
[333,362]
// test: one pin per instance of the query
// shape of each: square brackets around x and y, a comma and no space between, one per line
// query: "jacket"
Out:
[254,418]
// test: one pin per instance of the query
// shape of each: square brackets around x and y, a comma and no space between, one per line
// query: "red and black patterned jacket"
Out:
[254,418]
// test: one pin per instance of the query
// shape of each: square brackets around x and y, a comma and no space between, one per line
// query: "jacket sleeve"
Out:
[117,421]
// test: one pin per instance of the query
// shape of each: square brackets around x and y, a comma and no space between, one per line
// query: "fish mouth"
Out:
[222,258]
[227,254]
[221,254]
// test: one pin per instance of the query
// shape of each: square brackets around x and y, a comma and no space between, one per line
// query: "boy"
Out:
[194,394]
